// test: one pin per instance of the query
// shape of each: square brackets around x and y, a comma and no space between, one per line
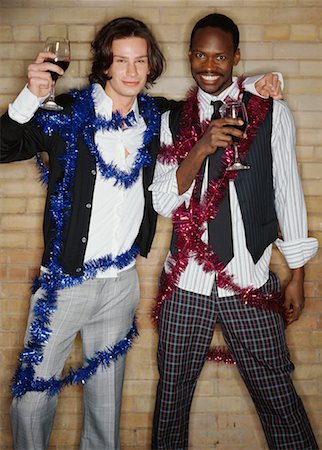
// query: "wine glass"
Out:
[236,110]
[60,47]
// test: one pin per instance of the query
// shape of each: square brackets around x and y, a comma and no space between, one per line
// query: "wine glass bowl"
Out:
[60,47]
[62,64]
[236,110]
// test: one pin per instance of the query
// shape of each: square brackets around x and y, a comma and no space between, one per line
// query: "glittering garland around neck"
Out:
[189,222]
[54,279]
[83,121]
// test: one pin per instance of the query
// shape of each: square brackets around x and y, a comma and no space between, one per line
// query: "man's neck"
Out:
[222,94]
[123,107]
[121,104]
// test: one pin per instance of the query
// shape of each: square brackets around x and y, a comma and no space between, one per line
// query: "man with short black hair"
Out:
[224,223]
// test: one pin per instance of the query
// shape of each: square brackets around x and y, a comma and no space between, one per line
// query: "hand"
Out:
[294,296]
[219,134]
[269,86]
[39,79]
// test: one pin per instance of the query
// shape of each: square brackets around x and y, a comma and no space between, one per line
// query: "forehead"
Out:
[130,46]
[211,39]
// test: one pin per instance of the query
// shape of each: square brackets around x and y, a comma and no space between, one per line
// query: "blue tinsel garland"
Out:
[82,120]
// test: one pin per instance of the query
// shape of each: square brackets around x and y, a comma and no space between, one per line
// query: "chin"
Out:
[210,89]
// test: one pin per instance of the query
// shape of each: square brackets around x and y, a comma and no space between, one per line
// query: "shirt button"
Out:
[84,239]
[88,205]
[93,172]
[78,269]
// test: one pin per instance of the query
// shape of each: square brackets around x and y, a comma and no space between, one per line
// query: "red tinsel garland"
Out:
[189,222]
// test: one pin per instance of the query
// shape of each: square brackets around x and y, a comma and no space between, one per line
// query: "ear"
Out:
[236,57]
[189,54]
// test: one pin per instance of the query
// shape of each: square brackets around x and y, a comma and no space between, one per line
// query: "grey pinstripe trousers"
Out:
[102,311]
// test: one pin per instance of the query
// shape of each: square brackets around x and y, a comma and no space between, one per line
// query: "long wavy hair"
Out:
[119,28]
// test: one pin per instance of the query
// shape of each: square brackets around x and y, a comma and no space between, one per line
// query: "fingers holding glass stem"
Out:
[236,110]
[58,51]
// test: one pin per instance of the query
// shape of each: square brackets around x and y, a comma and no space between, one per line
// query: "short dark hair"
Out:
[119,28]
[218,21]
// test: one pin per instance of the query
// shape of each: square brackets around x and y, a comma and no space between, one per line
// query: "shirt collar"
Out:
[103,104]
[205,99]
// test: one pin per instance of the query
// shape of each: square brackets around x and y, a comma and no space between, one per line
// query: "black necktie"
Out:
[216,105]
[219,229]
[215,157]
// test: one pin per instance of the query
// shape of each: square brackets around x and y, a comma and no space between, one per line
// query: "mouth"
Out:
[131,83]
[209,78]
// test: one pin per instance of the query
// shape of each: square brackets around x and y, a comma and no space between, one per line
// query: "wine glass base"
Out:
[51,106]
[237,166]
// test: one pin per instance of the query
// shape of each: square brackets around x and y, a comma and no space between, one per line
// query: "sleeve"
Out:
[20,141]
[249,83]
[24,106]
[164,187]
[296,247]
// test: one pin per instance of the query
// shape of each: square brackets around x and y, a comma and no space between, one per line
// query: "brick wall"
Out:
[275,35]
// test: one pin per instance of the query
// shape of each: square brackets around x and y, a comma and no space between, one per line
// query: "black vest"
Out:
[148,225]
[254,187]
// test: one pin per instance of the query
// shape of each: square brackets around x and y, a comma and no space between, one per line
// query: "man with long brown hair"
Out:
[98,218]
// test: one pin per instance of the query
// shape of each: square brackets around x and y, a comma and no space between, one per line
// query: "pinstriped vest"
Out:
[254,187]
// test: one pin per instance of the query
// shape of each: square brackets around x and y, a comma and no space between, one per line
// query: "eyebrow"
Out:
[122,56]
[206,51]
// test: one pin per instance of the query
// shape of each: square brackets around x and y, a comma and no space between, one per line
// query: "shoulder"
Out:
[282,113]
[170,123]
[175,111]
[82,97]
[282,106]
[66,101]
[165,105]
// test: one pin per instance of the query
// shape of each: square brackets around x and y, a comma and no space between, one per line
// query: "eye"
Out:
[119,60]
[221,58]
[142,60]
[199,55]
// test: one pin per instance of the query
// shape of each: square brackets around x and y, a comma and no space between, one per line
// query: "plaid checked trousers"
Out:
[256,339]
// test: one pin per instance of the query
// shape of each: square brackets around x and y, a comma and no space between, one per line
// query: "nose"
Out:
[211,64]
[131,69]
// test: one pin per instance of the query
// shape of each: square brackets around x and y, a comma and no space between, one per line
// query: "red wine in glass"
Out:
[236,110]
[63,64]
[240,127]
[61,48]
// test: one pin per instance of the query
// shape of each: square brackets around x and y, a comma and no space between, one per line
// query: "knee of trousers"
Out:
[33,404]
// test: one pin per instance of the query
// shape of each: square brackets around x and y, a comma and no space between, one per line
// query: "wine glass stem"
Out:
[52,92]
[236,152]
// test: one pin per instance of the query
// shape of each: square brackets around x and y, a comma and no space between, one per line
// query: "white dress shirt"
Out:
[296,247]
[116,212]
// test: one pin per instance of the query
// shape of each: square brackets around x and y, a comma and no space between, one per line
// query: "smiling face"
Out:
[212,58]
[128,71]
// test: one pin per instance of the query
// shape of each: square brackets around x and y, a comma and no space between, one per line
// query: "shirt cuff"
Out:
[249,83]
[24,106]
[298,252]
